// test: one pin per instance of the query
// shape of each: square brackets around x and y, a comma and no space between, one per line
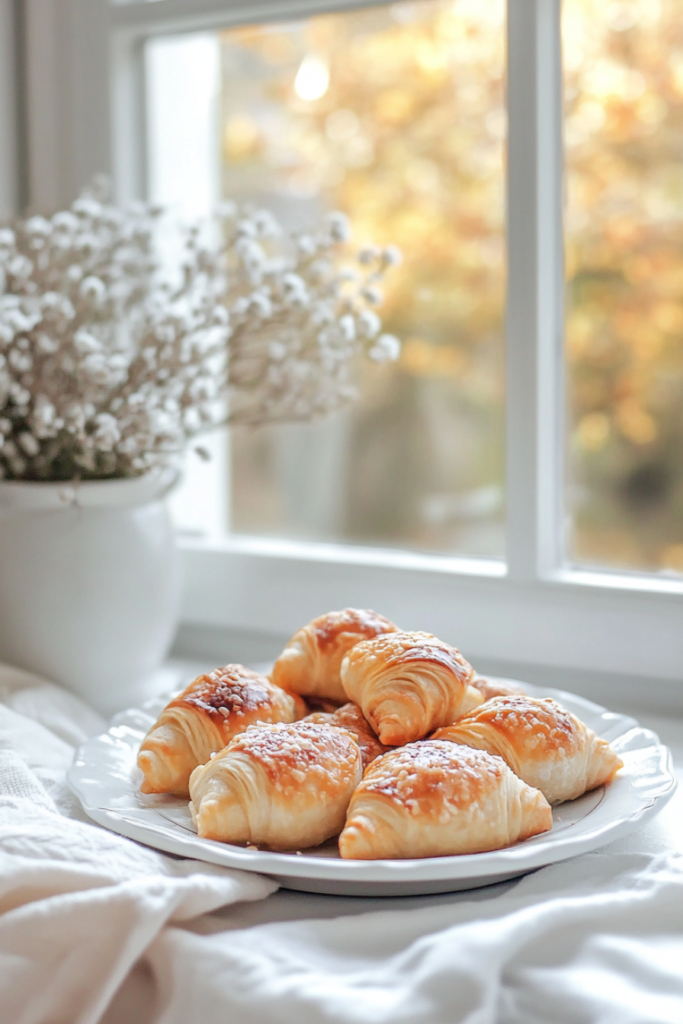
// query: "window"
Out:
[240,114]
[563,599]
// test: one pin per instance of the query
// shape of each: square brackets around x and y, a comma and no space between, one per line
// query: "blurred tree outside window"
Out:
[394,115]
[623,67]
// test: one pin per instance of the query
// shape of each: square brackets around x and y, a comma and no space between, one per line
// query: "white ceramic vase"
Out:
[89,583]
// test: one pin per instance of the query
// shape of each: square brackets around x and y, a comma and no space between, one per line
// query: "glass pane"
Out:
[394,115]
[624,249]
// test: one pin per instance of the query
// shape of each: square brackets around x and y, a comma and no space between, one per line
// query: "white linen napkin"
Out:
[597,940]
[78,904]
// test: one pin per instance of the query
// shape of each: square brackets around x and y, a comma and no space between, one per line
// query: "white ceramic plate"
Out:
[106,779]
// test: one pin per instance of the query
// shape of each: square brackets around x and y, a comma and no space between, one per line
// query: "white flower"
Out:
[43,417]
[245,229]
[129,445]
[93,290]
[9,450]
[387,348]
[369,323]
[58,306]
[221,317]
[322,313]
[347,327]
[46,344]
[86,207]
[28,443]
[260,304]
[21,322]
[372,295]
[368,255]
[306,245]
[65,221]
[107,433]
[294,290]
[265,224]
[38,230]
[88,244]
[20,394]
[96,368]
[20,266]
[277,351]
[20,361]
[338,227]
[201,389]
[86,342]
[319,269]
[392,256]
[162,347]
[251,254]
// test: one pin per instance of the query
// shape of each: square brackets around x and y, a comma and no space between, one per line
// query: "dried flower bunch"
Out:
[111,360]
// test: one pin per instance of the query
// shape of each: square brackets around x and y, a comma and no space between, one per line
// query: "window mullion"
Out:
[535,492]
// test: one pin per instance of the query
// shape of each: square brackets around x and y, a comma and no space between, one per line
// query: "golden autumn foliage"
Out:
[624,254]
[396,115]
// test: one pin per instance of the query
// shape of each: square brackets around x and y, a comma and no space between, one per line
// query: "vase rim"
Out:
[42,494]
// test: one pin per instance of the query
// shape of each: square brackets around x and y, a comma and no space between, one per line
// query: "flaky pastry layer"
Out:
[310,663]
[204,718]
[283,787]
[432,799]
[408,684]
[542,742]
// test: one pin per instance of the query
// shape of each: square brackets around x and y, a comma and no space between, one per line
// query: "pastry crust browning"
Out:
[408,684]
[285,787]
[349,716]
[490,688]
[544,744]
[431,800]
[204,718]
[311,661]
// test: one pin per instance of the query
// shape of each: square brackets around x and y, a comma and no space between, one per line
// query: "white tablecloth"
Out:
[94,927]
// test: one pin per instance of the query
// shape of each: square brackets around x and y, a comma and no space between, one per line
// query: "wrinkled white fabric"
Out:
[96,928]
[78,904]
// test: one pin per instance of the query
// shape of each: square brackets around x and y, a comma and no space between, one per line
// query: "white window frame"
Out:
[83,89]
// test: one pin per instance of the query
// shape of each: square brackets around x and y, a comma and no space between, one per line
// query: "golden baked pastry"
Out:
[490,688]
[285,787]
[311,661]
[544,744]
[349,716]
[204,718]
[408,684]
[432,799]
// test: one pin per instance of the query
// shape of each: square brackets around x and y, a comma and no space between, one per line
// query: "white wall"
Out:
[9,185]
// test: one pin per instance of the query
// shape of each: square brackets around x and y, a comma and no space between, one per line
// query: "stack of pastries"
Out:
[384,738]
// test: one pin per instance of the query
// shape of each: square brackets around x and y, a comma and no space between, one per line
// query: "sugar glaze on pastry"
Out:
[310,663]
[434,799]
[285,787]
[349,716]
[204,718]
[543,743]
[408,684]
